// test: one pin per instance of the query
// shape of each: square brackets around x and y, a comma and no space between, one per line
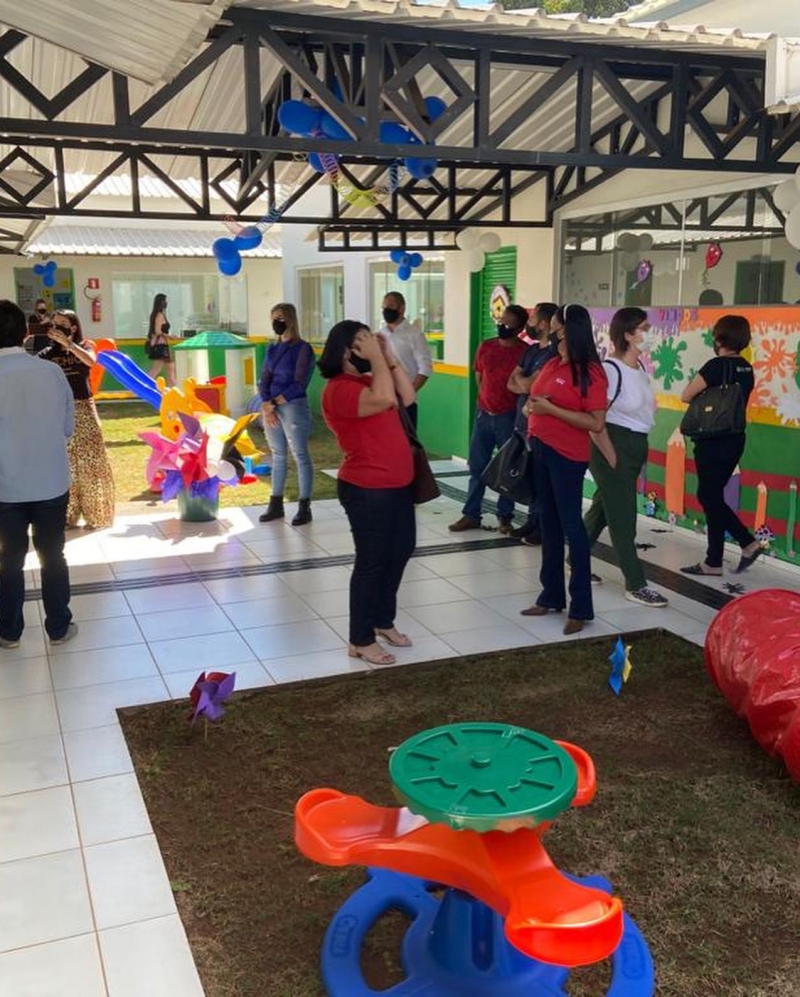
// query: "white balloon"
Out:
[645,242]
[793,227]
[468,239]
[786,196]
[475,260]
[628,242]
[628,261]
[490,242]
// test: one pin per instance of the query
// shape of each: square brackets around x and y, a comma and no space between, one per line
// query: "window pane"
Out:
[321,302]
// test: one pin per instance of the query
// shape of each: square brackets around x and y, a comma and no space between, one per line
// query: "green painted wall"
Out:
[444,415]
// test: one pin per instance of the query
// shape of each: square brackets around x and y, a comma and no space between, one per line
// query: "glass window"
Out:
[423,291]
[196,302]
[321,301]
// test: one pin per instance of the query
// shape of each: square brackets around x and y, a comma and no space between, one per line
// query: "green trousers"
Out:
[614,503]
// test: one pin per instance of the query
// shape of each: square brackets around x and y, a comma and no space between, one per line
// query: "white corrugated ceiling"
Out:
[105,240]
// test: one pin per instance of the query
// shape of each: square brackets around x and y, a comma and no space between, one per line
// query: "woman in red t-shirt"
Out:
[360,406]
[567,403]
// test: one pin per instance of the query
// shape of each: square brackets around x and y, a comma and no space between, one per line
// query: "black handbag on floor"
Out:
[717,411]
[508,472]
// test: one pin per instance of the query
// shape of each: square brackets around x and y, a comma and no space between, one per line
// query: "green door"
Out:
[499,270]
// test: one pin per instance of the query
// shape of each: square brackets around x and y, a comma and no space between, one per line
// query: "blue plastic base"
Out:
[455,947]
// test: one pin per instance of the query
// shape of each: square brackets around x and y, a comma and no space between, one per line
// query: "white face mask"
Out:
[650,340]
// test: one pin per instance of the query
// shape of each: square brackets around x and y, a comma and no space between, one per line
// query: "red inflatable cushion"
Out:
[753,655]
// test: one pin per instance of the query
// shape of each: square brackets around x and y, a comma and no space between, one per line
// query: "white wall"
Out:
[264,283]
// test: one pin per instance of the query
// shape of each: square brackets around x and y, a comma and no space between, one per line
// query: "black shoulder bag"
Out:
[717,411]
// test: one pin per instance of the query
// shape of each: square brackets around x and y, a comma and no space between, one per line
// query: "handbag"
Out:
[717,411]
[508,472]
[423,485]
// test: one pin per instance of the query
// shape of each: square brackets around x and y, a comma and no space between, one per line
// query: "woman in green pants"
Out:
[620,451]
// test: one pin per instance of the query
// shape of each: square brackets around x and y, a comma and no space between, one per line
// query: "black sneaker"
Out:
[647,597]
[520,532]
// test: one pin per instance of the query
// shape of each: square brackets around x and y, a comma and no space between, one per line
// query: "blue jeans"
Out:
[292,432]
[489,433]
[560,491]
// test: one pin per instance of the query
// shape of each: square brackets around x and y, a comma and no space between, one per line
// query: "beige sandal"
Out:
[394,638]
[381,658]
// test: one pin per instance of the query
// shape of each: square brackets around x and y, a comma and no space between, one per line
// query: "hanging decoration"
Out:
[406,263]
[714,255]
[476,246]
[631,248]
[47,271]
[643,273]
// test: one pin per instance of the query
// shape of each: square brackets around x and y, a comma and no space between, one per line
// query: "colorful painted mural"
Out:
[764,489]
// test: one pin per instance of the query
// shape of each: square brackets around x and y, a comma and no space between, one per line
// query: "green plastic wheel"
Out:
[483,777]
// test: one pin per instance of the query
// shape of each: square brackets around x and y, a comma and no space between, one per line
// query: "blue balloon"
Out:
[404,272]
[224,249]
[397,256]
[435,107]
[415,259]
[393,134]
[49,279]
[421,169]
[332,129]
[248,238]
[39,269]
[298,118]
[230,265]
[51,265]
[315,162]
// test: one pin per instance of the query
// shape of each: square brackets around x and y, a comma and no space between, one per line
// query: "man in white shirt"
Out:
[410,345]
[36,420]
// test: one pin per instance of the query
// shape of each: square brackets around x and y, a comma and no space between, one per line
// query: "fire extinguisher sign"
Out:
[93,283]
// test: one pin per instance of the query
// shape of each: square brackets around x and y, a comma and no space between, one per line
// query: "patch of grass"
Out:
[123,421]
[698,830]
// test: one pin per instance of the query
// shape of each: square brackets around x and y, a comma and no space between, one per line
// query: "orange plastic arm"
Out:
[547,916]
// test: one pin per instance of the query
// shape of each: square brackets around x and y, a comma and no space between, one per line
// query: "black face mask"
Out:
[553,340]
[390,315]
[278,326]
[361,364]
[506,332]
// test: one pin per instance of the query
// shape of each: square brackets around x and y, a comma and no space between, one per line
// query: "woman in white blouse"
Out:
[620,451]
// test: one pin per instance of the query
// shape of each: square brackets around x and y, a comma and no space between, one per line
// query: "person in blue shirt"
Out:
[288,367]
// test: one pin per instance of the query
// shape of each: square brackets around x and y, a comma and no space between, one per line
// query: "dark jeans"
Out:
[413,414]
[533,521]
[48,520]
[560,486]
[385,533]
[489,433]
[716,460]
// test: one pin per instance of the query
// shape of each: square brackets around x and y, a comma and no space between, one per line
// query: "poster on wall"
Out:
[29,287]
[764,487]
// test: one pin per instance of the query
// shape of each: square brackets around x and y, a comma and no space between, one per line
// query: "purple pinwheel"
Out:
[209,693]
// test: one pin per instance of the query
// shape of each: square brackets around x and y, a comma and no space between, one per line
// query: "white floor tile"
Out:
[300,667]
[84,668]
[317,579]
[550,629]
[188,595]
[470,614]
[250,675]
[273,551]
[292,638]
[43,899]
[26,766]
[423,649]
[128,881]
[109,809]
[32,642]
[489,639]
[428,593]
[519,558]
[27,717]
[149,959]
[327,604]
[491,583]
[66,968]
[642,619]
[268,612]
[250,588]
[99,606]
[416,571]
[460,563]
[37,823]
[176,623]
[405,623]
[96,634]
[698,638]
[24,678]
[96,706]
[213,651]
[96,753]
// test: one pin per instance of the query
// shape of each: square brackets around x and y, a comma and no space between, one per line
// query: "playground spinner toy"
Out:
[478,798]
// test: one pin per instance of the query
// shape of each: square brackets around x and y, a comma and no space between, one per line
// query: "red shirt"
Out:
[376,450]
[555,381]
[495,363]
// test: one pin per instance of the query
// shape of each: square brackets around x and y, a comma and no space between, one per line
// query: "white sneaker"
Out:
[8,645]
[72,630]
[647,597]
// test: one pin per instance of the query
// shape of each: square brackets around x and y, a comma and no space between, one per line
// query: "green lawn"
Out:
[123,421]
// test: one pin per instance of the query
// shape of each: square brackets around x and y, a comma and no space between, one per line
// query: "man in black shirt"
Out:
[534,358]
[38,325]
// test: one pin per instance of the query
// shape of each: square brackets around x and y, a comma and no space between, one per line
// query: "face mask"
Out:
[650,340]
[278,326]
[390,315]
[553,340]
[362,365]
[41,311]
[506,332]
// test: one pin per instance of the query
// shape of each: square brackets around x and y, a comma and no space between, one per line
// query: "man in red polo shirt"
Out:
[494,421]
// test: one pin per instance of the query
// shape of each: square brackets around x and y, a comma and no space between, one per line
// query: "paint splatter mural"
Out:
[764,488]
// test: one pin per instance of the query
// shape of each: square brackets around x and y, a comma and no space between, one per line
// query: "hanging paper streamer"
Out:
[47,271]
[406,262]
[713,257]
